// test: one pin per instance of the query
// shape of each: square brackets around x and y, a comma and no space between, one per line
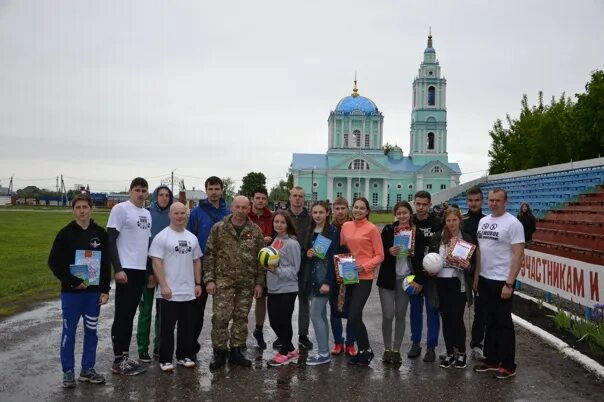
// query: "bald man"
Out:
[233,277]
[176,258]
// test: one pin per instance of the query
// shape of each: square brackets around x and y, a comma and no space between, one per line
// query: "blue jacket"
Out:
[203,217]
[159,216]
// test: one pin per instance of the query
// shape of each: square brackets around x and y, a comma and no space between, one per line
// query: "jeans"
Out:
[394,307]
[417,320]
[318,316]
[74,306]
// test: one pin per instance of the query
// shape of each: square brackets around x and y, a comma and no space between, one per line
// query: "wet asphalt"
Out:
[30,370]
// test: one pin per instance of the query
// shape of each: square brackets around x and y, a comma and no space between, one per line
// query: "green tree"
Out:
[229,189]
[252,181]
[279,192]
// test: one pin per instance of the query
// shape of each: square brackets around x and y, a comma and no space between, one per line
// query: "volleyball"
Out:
[407,284]
[268,256]
[433,263]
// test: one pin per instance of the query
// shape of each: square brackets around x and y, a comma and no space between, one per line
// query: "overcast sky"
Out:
[103,91]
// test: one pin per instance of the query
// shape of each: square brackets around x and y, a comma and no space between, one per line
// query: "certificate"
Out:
[346,269]
[460,249]
[321,245]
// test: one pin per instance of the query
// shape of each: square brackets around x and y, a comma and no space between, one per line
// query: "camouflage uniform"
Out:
[230,262]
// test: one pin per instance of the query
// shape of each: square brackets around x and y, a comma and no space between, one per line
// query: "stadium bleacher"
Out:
[568,205]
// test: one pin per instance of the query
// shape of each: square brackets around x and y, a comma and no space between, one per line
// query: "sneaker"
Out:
[168,366]
[504,373]
[351,350]
[293,356]
[317,359]
[448,362]
[91,376]
[304,342]
[481,368]
[69,380]
[337,350]
[186,362]
[430,355]
[477,353]
[387,357]
[365,357]
[460,361]
[259,335]
[277,345]
[415,351]
[127,366]
[278,360]
[144,357]
[396,357]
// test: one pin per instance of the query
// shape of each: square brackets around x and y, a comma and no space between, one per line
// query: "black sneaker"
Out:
[415,351]
[69,380]
[277,344]
[144,357]
[304,342]
[387,358]
[365,357]
[448,362]
[460,361]
[259,338]
[126,366]
[91,376]
[430,355]
[396,357]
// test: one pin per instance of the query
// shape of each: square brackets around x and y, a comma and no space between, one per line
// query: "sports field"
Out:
[26,236]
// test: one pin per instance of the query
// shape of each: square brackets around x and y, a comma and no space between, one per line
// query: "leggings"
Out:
[452,306]
[360,294]
[280,310]
[394,304]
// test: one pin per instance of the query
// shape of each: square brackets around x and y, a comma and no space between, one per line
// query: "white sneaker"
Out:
[477,353]
[188,363]
[166,366]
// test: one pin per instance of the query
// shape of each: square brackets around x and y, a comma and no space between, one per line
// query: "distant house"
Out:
[5,196]
[192,197]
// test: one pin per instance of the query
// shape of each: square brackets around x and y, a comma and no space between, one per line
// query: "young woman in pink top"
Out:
[362,238]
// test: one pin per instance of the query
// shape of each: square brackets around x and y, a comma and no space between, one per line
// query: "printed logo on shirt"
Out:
[143,222]
[95,242]
[278,244]
[183,247]
[427,232]
[488,231]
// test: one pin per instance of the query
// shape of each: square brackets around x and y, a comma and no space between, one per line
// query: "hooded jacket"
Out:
[159,216]
[203,217]
[71,238]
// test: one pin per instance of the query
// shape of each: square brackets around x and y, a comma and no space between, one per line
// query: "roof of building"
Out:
[309,161]
[351,103]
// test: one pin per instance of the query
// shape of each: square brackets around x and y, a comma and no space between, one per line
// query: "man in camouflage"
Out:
[233,277]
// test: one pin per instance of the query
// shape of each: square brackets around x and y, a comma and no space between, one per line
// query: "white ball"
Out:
[433,263]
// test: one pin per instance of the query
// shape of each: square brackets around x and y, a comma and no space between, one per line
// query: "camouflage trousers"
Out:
[231,302]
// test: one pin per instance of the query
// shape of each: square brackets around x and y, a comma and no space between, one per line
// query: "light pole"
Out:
[172,180]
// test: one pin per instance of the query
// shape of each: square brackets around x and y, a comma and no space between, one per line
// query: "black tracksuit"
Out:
[470,226]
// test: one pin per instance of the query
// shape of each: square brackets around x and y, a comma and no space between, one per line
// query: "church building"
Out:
[357,164]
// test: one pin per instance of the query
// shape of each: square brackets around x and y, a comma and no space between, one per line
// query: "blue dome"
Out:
[350,103]
[429,50]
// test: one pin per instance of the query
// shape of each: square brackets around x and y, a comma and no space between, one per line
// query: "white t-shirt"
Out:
[495,238]
[178,250]
[134,225]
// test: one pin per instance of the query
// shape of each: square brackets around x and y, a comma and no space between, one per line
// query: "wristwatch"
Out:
[198,284]
[510,285]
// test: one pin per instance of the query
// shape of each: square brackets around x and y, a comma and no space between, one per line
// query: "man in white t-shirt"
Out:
[128,229]
[501,248]
[176,258]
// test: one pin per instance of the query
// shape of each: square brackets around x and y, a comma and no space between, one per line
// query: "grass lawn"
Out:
[381,218]
[26,236]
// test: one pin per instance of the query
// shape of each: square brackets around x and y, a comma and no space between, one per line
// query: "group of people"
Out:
[162,257]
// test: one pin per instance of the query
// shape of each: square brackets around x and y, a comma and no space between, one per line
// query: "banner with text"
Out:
[573,280]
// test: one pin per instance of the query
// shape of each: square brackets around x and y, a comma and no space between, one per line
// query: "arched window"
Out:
[358,164]
[366,140]
[357,138]
[431,141]
[346,140]
[431,96]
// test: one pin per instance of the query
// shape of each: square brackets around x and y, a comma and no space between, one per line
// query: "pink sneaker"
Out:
[278,360]
[293,356]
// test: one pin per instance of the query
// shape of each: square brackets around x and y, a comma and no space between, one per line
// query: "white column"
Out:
[385,194]
[296,178]
[330,188]
[367,189]
[349,189]
[419,185]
